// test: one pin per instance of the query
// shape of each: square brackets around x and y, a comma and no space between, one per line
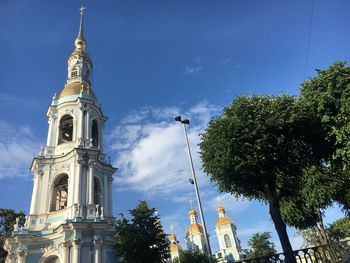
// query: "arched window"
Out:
[60,193]
[97,191]
[94,133]
[65,129]
[52,259]
[74,72]
[227,240]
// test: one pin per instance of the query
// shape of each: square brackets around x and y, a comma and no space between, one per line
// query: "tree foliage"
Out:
[260,147]
[327,97]
[141,239]
[192,257]
[338,230]
[7,220]
[261,246]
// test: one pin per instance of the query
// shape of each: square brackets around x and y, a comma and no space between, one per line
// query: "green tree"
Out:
[259,148]
[327,97]
[141,239]
[7,220]
[261,246]
[336,231]
[192,257]
[340,229]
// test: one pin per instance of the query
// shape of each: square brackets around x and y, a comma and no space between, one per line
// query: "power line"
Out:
[309,39]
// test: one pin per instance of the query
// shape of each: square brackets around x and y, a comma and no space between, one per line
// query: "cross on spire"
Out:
[218,198]
[81,9]
[191,202]
[172,229]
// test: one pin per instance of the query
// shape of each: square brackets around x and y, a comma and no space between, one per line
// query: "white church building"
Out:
[70,218]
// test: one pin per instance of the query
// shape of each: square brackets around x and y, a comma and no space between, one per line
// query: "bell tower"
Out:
[70,218]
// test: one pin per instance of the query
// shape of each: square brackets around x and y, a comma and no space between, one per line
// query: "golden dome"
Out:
[192,212]
[174,247]
[194,229]
[172,237]
[223,221]
[74,88]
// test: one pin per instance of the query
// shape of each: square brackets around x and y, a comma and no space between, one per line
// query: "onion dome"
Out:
[194,229]
[223,219]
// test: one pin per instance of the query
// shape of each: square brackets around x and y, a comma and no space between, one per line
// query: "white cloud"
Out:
[150,150]
[231,203]
[193,70]
[262,226]
[17,148]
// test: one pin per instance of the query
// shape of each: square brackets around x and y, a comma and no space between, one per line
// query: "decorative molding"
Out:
[53,113]
[68,111]
[61,168]
[49,249]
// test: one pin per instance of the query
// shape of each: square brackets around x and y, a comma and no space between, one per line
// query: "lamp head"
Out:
[178,118]
[186,121]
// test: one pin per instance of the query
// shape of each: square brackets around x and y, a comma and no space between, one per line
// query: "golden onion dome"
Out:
[174,247]
[194,229]
[223,221]
[172,237]
[74,88]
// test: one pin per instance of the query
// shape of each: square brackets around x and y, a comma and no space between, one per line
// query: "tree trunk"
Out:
[281,229]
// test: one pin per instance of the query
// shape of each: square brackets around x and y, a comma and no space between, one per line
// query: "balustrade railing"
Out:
[332,253]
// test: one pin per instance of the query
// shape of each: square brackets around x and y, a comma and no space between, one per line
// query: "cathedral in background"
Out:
[70,218]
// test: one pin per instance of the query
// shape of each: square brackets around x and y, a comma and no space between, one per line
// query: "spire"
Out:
[80,42]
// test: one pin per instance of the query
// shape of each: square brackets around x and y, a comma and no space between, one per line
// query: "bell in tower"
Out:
[70,218]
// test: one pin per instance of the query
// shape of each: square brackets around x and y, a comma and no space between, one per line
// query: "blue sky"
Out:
[154,60]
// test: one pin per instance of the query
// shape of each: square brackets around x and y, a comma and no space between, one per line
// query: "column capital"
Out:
[97,240]
[77,242]
[91,163]
[79,161]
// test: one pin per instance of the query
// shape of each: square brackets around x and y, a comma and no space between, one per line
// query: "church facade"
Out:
[70,218]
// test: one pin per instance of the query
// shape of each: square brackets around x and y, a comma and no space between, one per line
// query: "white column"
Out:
[97,246]
[91,182]
[88,127]
[33,205]
[21,256]
[105,193]
[49,134]
[80,127]
[110,199]
[65,250]
[77,186]
[76,251]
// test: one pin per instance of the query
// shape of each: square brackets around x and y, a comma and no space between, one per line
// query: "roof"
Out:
[194,229]
[223,221]
[74,88]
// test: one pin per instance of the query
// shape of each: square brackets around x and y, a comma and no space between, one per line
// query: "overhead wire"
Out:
[309,39]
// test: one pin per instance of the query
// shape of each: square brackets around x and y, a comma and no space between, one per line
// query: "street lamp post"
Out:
[184,123]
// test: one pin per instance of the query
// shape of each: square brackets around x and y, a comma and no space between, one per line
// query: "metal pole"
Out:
[197,195]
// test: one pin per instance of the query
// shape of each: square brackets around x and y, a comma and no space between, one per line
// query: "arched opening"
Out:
[94,133]
[74,72]
[65,129]
[97,192]
[52,259]
[227,240]
[60,193]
